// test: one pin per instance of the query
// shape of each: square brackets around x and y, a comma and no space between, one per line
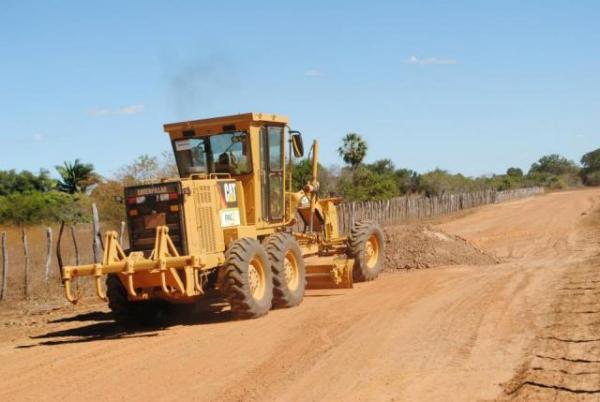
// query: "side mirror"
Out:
[297,144]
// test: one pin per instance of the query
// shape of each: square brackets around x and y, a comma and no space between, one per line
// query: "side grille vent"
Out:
[205,220]
[203,193]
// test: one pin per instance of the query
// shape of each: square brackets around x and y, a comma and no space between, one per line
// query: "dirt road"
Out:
[454,333]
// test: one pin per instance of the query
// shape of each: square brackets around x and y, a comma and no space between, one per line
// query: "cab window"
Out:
[220,153]
[271,149]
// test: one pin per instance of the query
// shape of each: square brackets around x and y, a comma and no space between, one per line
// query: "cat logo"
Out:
[229,192]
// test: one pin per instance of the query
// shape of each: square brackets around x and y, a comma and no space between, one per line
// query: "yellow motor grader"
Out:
[227,225]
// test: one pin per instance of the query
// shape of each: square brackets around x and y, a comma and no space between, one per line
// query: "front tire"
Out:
[367,248]
[287,265]
[248,282]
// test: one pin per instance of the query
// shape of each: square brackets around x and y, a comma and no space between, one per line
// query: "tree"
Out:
[364,184]
[514,172]
[75,176]
[382,166]
[592,178]
[168,165]
[36,207]
[408,180]
[25,181]
[591,160]
[554,164]
[148,168]
[302,172]
[554,171]
[439,182]
[353,149]
[591,168]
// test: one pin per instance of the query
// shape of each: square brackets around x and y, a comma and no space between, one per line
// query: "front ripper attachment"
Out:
[333,272]
[164,261]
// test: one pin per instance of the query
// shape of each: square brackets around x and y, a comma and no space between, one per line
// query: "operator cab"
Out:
[249,148]
[227,152]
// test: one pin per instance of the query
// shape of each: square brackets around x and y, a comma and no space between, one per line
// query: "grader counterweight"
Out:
[225,225]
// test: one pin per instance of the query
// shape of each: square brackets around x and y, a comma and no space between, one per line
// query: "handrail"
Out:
[217,175]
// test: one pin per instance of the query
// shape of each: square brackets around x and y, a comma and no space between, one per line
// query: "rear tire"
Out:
[367,248]
[248,282]
[129,313]
[287,265]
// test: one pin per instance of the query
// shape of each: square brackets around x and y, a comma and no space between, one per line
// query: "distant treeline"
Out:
[382,180]
[28,198]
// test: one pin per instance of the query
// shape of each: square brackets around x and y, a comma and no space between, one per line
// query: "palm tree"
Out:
[353,149]
[75,176]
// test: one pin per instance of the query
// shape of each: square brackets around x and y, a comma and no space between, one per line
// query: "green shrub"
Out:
[362,183]
[553,181]
[592,178]
[554,164]
[514,172]
[25,181]
[34,208]
[591,168]
[439,182]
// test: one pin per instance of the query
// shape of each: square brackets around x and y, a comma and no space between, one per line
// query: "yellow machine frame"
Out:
[166,274]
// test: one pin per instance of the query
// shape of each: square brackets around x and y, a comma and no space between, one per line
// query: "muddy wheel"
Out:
[287,265]
[248,282]
[367,248]
[126,312]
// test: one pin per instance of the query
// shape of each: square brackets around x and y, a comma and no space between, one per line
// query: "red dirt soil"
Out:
[423,246]
[525,328]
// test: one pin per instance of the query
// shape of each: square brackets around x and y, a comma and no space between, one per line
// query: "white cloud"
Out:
[429,61]
[313,72]
[130,109]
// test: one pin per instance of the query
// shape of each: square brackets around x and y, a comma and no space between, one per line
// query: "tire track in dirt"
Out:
[565,356]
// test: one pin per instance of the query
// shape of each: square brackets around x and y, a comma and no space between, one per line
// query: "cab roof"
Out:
[226,123]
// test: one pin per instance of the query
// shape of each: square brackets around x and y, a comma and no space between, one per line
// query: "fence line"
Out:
[405,208]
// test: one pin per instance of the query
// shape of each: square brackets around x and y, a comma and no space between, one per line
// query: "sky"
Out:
[467,86]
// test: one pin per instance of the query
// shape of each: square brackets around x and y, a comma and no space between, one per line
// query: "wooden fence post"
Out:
[48,255]
[4,266]
[77,256]
[121,233]
[74,237]
[97,241]
[58,252]
[27,261]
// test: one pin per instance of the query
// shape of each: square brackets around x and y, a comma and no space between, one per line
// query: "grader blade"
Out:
[333,272]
